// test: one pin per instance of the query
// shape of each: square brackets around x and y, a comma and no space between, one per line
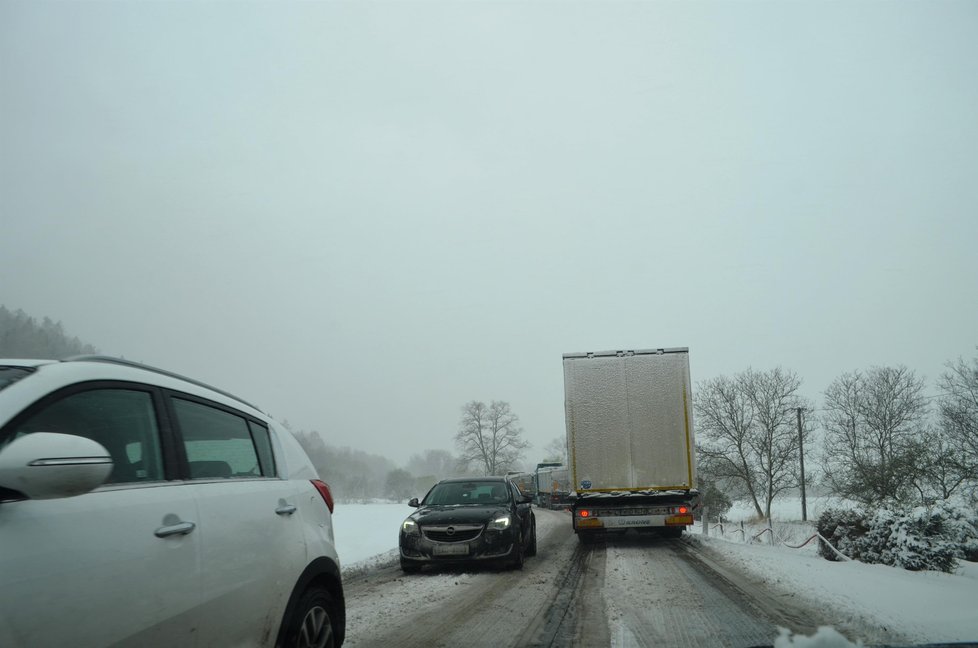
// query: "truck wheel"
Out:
[587,538]
[673,532]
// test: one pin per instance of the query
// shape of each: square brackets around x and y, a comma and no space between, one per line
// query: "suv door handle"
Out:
[182,528]
[285,509]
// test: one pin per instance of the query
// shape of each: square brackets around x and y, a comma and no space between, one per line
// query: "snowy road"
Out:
[629,591]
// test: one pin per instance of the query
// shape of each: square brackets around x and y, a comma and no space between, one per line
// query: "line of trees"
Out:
[23,336]
[883,441]
[358,476]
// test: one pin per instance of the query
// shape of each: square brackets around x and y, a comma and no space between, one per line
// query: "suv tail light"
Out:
[323,489]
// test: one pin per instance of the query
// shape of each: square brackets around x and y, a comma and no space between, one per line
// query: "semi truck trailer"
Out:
[630,441]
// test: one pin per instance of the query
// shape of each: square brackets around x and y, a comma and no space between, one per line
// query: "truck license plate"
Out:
[624,522]
[456,549]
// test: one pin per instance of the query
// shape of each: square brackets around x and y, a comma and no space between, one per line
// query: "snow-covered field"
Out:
[922,606]
[787,508]
[366,531]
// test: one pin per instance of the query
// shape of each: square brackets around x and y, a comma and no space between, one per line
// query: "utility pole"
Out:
[801,455]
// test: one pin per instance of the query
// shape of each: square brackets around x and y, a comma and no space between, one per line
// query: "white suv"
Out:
[142,508]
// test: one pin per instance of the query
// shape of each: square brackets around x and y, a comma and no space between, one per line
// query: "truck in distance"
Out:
[630,441]
[553,485]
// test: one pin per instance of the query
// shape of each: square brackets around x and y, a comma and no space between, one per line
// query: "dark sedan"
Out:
[469,519]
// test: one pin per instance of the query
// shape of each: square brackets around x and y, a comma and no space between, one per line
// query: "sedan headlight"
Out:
[409,526]
[501,523]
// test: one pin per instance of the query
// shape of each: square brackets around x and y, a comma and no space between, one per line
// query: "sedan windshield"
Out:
[460,493]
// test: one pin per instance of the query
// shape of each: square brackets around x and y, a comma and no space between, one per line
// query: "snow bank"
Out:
[879,600]
[824,638]
[366,531]
[786,509]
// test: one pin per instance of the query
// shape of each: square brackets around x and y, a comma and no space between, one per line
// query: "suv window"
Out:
[219,444]
[122,420]
[264,445]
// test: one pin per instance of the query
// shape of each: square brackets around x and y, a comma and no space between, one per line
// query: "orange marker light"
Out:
[585,513]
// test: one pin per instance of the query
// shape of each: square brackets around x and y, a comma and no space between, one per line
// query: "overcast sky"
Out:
[361,215]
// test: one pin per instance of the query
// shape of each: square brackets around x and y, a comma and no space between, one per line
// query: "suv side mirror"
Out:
[526,499]
[48,465]
[414,502]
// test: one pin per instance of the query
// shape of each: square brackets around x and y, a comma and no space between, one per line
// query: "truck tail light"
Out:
[323,489]
[683,510]
[585,513]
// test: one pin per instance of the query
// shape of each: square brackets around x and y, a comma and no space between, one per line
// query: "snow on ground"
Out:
[367,531]
[922,606]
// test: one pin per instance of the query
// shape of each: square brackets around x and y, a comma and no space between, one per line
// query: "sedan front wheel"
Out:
[519,553]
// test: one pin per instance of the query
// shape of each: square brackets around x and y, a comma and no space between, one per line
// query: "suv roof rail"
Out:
[163,372]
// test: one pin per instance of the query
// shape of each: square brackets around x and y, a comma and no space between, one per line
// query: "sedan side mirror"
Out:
[48,465]
[413,502]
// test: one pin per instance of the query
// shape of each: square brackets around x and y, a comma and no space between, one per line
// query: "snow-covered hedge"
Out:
[925,537]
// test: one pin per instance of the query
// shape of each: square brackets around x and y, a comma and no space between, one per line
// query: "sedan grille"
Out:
[452,532]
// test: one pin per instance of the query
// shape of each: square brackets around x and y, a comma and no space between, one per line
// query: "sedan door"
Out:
[524,511]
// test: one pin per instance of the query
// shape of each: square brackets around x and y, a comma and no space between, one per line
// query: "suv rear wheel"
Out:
[312,625]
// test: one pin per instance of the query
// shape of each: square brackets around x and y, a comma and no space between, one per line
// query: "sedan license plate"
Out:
[454,549]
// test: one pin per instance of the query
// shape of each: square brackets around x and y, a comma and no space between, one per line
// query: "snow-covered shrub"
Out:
[915,540]
[925,537]
[961,527]
[844,528]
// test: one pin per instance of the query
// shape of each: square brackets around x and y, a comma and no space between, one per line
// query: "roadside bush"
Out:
[844,528]
[714,499]
[925,537]
[962,529]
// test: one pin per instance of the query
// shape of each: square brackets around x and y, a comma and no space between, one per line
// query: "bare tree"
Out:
[748,435]
[939,470]
[490,436]
[725,418]
[875,434]
[555,450]
[958,411]
[774,397]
